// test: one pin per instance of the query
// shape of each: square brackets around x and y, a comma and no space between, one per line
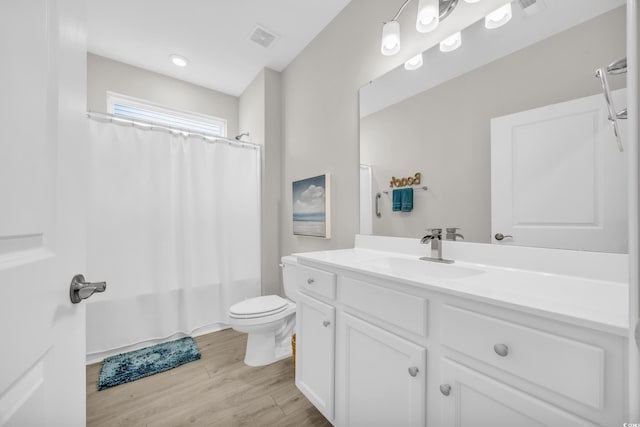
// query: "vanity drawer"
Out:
[397,308]
[570,368]
[315,281]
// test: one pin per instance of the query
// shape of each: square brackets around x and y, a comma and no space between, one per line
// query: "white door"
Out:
[315,358]
[384,378]
[42,230]
[558,179]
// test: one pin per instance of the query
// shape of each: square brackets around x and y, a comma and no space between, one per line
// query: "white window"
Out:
[139,109]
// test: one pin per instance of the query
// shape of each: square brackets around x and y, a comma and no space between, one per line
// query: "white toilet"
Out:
[268,320]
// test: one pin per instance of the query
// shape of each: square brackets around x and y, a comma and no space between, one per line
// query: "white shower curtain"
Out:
[174,229]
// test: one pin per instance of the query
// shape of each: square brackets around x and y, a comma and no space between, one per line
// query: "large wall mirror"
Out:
[511,126]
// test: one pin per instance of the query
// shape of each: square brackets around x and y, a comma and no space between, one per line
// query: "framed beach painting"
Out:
[311,212]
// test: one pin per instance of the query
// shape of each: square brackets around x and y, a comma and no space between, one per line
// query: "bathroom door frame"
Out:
[633,77]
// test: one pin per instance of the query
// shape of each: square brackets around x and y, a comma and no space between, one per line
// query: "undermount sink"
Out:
[421,268]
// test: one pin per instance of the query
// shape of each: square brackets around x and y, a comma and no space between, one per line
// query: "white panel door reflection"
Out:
[558,179]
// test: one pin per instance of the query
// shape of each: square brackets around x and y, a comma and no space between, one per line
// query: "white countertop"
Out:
[596,303]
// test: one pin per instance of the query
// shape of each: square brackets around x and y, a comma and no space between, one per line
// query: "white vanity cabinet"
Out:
[399,354]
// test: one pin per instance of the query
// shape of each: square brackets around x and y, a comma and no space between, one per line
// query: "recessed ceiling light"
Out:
[179,60]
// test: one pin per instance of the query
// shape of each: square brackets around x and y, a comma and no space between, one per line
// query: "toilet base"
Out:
[262,349]
[268,342]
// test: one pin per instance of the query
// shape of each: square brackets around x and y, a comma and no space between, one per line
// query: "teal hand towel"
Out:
[406,200]
[396,203]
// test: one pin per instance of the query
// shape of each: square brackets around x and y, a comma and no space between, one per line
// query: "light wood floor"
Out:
[217,390]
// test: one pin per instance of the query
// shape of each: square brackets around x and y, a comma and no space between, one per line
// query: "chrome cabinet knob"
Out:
[501,350]
[310,281]
[326,323]
[500,236]
[445,389]
[413,371]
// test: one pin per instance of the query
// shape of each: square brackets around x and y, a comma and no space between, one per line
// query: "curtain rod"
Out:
[156,126]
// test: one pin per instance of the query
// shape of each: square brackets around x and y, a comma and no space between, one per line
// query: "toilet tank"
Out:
[289,265]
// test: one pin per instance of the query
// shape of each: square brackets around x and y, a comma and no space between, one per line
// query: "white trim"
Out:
[366,200]
[114,98]
[633,76]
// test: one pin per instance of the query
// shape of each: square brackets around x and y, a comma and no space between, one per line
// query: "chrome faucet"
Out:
[435,237]
[452,234]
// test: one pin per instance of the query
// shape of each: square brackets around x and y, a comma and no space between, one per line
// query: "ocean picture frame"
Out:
[311,207]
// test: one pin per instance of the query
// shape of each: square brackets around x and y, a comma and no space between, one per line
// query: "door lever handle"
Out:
[81,289]
[500,236]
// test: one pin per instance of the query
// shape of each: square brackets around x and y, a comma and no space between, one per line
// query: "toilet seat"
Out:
[258,307]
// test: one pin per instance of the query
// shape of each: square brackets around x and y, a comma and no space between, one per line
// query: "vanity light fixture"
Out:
[471,1]
[430,14]
[498,17]
[451,43]
[178,60]
[390,38]
[414,63]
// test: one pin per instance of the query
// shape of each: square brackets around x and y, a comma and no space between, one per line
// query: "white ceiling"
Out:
[212,34]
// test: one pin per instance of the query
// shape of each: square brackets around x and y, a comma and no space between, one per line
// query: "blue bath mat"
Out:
[127,367]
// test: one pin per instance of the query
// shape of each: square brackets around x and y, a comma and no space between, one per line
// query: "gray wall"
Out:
[444,132]
[104,74]
[320,105]
[260,115]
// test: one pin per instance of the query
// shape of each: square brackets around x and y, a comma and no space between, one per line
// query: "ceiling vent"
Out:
[262,36]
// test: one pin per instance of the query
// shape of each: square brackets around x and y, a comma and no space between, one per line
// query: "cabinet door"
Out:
[315,344]
[472,399]
[385,377]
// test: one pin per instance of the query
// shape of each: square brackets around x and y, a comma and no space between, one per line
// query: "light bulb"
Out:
[428,15]
[472,1]
[390,38]
[451,43]
[498,17]
[179,60]
[414,63]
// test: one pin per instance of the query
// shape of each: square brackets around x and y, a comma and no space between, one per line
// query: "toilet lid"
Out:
[258,307]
